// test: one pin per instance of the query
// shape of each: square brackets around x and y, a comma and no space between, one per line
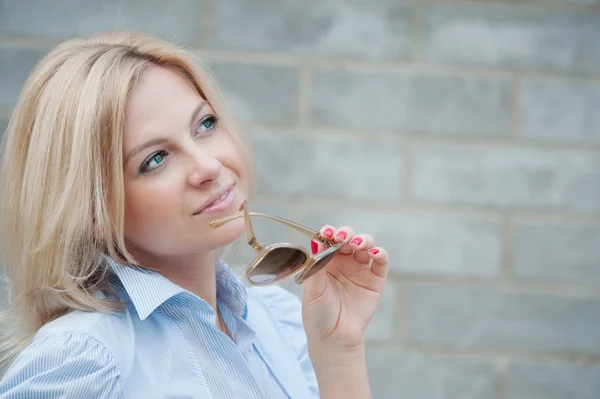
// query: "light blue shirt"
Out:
[165,345]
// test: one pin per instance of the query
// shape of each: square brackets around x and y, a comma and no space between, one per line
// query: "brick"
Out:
[558,251]
[485,317]
[507,177]
[378,29]
[260,93]
[330,167]
[15,65]
[421,243]
[176,21]
[560,109]
[515,36]
[395,374]
[556,380]
[410,102]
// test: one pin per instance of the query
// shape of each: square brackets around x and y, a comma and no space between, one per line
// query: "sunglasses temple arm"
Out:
[295,226]
[250,236]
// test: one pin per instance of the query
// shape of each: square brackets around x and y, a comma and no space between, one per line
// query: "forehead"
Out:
[161,101]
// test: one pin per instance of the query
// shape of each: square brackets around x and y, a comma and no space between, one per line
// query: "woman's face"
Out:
[178,158]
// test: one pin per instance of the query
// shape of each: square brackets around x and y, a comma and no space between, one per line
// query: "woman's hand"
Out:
[339,301]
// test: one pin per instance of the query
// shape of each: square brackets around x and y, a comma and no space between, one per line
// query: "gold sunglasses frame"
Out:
[262,251]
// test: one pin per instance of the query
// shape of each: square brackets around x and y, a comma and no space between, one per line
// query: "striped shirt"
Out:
[165,345]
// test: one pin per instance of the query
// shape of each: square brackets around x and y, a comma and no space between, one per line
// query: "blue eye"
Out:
[207,124]
[153,161]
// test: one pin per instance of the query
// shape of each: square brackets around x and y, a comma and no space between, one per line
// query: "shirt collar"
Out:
[148,289]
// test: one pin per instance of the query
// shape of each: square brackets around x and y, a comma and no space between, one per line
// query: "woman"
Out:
[123,177]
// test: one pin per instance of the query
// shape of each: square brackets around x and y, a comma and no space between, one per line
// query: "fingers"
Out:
[330,233]
[380,259]
[327,232]
[344,235]
[360,244]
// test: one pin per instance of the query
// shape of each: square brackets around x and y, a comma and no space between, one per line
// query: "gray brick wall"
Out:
[462,133]
[413,375]
[502,35]
[541,97]
[378,29]
[409,102]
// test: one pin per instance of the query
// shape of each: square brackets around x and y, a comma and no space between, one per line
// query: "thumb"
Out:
[315,286]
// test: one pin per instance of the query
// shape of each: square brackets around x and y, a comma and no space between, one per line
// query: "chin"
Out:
[228,233]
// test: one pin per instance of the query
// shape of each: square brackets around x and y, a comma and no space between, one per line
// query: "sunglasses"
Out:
[280,261]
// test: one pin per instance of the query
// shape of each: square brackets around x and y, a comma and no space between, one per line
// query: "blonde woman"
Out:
[123,176]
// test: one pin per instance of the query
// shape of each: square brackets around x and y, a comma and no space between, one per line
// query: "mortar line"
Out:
[508,253]
[439,139]
[393,66]
[205,19]
[501,390]
[527,3]
[416,29]
[303,105]
[511,355]
[400,324]
[464,210]
[516,98]
[407,186]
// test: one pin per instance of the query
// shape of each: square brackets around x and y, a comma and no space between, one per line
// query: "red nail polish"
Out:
[342,234]
[328,232]
[357,241]
[374,251]
[314,247]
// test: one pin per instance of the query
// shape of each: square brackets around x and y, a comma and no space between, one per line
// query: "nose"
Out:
[204,167]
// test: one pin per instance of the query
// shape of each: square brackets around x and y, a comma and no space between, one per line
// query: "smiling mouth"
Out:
[220,204]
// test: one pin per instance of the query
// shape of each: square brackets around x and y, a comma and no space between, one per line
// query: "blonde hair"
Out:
[62,175]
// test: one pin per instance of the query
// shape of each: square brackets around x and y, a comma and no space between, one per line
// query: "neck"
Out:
[194,273]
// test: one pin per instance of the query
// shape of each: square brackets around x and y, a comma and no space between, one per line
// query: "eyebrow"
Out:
[158,141]
[197,110]
[142,147]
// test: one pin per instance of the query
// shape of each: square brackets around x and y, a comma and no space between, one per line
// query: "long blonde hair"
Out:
[62,175]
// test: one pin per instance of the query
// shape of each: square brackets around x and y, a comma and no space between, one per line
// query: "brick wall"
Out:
[465,135]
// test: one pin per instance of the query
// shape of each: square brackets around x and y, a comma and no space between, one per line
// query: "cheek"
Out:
[235,159]
[147,209]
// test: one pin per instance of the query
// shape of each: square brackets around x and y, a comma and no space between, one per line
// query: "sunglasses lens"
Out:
[278,264]
[320,264]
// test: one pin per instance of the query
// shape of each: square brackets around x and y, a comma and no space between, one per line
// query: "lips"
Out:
[221,194]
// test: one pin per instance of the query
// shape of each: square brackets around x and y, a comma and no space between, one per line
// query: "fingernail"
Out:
[374,251]
[357,241]
[314,247]
[328,232]
[342,234]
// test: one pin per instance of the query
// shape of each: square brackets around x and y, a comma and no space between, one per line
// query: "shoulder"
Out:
[80,354]
[113,331]
[69,364]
